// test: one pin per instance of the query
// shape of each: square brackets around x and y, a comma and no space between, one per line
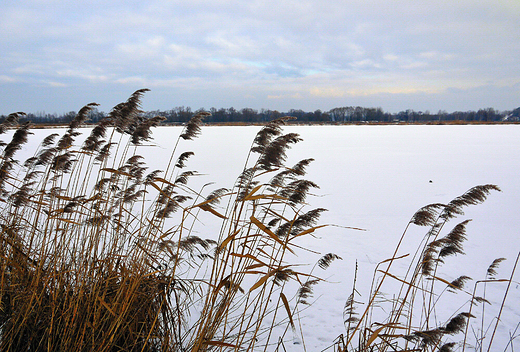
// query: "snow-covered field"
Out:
[375,178]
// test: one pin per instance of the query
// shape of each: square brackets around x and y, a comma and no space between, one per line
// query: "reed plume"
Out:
[473,196]
[327,259]
[192,128]
[491,271]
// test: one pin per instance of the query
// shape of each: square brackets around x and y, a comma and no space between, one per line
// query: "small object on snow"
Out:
[431,181]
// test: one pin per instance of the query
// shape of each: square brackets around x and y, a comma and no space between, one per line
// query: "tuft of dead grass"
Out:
[98,253]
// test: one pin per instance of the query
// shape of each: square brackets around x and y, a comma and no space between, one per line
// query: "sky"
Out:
[59,55]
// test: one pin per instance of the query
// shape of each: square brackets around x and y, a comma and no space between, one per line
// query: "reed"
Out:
[412,298]
[97,253]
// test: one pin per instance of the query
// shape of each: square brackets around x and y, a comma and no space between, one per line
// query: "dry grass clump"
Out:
[97,253]
[411,319]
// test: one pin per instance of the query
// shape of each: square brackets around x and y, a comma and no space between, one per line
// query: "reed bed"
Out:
[99,253]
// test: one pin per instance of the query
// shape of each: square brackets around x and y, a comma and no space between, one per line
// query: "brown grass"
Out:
[411,322]
[98,253]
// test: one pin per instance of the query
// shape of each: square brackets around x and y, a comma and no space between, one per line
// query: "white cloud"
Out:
[364,64]
[84,74]
[327,92]
[29,69]
[285,96]
[7,79]
[436,56]
[285,48]
[57,84]
[390,57]
[140,81]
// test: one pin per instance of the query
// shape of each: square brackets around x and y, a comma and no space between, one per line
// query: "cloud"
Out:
[57,84]
[83,74]
[328,92]
[436,56]
[285,96]
[321,51]
[6,79]
[143,50]
[133,80]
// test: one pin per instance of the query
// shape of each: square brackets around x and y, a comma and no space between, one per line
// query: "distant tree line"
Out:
[347,114]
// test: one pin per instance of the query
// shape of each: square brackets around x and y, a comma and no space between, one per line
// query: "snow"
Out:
[375,178]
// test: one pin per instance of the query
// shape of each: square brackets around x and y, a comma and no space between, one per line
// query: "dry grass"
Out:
[411,321]
[98,253]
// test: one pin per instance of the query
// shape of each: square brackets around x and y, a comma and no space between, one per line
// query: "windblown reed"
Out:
[412,322]
[98,254]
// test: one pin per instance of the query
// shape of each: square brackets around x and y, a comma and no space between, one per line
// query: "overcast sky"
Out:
[58,55]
